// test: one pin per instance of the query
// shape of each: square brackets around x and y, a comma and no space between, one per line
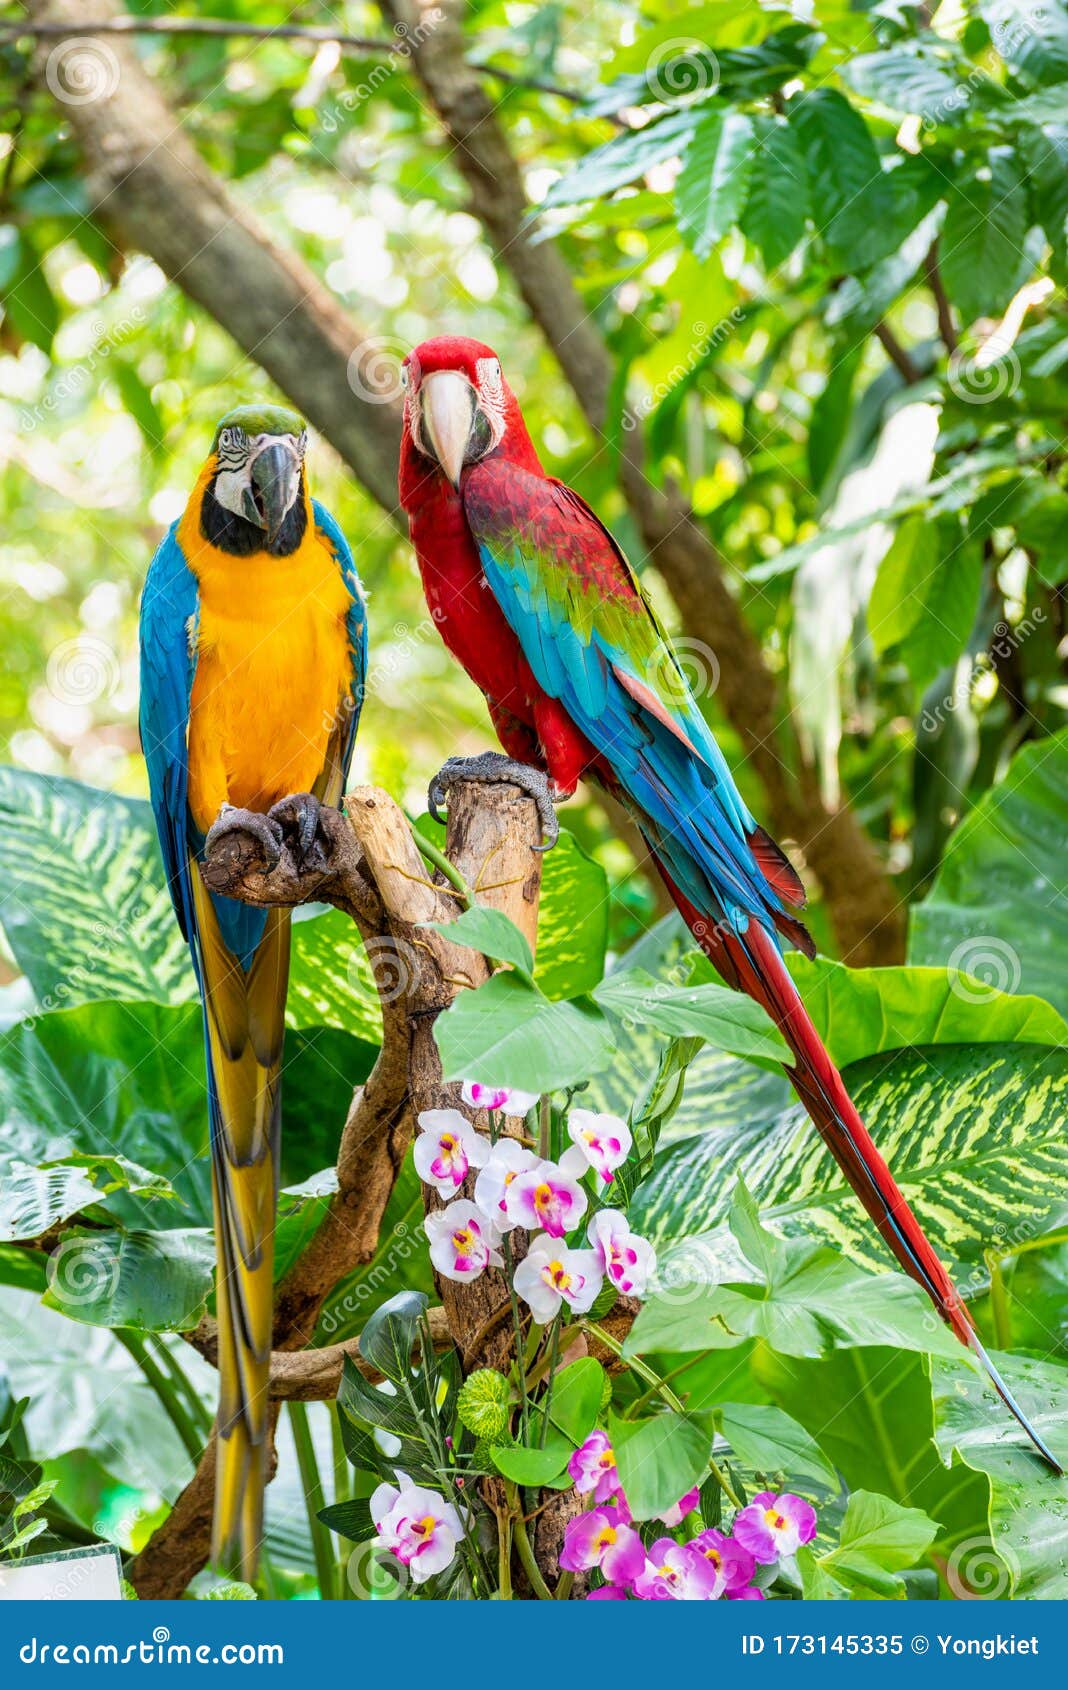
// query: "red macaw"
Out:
[540,606]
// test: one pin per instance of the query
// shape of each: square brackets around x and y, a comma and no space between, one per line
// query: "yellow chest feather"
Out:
[273,661]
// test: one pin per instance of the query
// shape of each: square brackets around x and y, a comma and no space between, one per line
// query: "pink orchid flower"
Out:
[772,1526]
[593,1468]
[601,1142]
[513,1102]
[732,1565]
[606,1593]
[545,1198]
[674,1572]
[550,1275]
[506,1161]
[601,1539]
[417,1526]
[627,1260]
[462,1241]
[446,1148]
[678,1511]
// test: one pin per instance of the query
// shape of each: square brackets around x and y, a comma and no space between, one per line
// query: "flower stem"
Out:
[530,1565]
[439,860]
[554,1356]
[544,1127]
[517,1323]
[504,1553]
[311,1484]
[660,1388]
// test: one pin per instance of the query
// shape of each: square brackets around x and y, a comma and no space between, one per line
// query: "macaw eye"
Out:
[404,375]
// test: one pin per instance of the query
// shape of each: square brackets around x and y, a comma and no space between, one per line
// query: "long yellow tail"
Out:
[244,1015]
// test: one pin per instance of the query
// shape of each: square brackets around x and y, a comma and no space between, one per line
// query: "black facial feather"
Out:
[236,535]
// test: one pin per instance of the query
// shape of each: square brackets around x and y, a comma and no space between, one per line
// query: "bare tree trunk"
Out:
[150,186]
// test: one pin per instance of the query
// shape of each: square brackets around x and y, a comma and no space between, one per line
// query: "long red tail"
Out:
[753,964]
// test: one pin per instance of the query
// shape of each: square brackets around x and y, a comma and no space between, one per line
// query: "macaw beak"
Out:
[274,485]
[448,404]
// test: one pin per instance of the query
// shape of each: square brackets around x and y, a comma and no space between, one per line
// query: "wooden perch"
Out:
[376,874]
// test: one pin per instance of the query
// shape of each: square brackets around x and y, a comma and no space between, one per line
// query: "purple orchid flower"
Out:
[772,1526]
[603,1539]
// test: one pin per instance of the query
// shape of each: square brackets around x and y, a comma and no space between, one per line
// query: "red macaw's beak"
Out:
[448,405]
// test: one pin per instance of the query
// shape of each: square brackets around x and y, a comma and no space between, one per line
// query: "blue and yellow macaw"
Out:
[253,657]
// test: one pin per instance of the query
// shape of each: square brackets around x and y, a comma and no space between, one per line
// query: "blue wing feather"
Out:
[170,608]
[357,624]
[678,780]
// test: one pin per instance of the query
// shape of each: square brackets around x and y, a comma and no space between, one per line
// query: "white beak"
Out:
[448,411]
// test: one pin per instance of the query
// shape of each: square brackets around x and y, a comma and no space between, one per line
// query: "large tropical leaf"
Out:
[974,1135]
[860,1012]
[126,1080]
[1028,1526]
[83,899]
[998,909]
[87,1393]
[151,1281]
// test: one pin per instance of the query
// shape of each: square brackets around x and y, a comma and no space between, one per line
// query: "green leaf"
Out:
[910,78]
[577,1392]
[508,1033]
[777,202]
[1028,1522]
[623,159]
[816,1584]
[1004,863]
[769,1441]
[126,1080]
[572,921]
[926,595]
[854,203]
[859,1012]
[533,1467]
[490,932]
[870,1411]
[981,253]
[711,190]
[140,404]
[819,1302]
[723,1018]
[1045,151]
[29,304]
[659,1462]
[154,1281]
[878,1539]
[83,900]
[350,1519]
[484,1403]
[389,1335]
[972,1134]
[1031,38]
[379,1406]
[32,1199]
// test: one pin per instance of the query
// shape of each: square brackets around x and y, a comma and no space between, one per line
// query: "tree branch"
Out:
[375,873]
[947,328]
[225,29]
[897,354]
